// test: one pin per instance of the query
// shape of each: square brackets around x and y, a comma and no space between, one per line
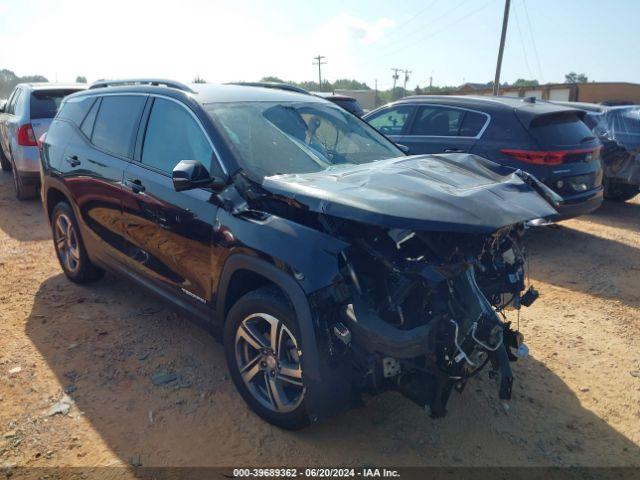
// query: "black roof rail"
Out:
[142,81]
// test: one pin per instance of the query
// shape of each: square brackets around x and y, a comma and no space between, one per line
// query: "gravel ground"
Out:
[576,398]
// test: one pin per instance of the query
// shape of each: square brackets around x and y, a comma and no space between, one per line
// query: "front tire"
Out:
[263,353]
[69,247]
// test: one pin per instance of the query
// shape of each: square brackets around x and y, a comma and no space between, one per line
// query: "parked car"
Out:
[549,141]
[23,120]
[350,104]
[331,263]
[618,128]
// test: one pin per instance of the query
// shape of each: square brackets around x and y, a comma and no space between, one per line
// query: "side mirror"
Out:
[404,148]
[190,174]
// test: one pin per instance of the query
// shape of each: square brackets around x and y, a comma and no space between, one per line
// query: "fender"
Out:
[328,390]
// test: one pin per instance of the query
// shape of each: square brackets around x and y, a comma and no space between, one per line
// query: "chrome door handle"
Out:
[135,185]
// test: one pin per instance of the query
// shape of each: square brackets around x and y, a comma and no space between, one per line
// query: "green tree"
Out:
[81,79]
[521,82]
[573,77]
[199,79]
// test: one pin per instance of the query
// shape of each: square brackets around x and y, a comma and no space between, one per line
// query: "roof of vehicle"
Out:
[526,108]
[275,85]
[591,107]
[53,86]
[204,93]
[333,96]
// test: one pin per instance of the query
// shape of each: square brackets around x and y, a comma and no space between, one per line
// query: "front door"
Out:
[169,233]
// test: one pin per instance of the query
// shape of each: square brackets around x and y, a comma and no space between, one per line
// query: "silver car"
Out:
[23,119]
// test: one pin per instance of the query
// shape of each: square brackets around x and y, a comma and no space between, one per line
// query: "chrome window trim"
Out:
[428,104]
[164,97]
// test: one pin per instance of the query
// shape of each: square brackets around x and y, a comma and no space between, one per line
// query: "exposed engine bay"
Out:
[442,299]
[429,258]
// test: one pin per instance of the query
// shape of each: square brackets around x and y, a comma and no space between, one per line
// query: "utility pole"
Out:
[375,99]
[430,83]
[395,78]
[406,79]
[319,61]
[505,20]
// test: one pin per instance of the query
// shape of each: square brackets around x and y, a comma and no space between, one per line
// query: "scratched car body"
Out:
[331,263]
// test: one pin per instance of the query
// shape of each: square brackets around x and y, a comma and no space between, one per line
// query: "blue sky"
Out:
[224,40]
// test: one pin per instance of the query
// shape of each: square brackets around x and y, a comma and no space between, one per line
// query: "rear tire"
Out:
[620,192]
[23,192]
[263,352]
[69,247]
[5,164]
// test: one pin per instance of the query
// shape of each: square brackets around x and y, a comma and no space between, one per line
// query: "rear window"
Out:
[116,123]
[45,103]
[350,105]
[558,130]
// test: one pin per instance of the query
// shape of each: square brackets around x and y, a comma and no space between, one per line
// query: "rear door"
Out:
[169,233]
[11,123]
[444,129]
[4,119]
[93,168]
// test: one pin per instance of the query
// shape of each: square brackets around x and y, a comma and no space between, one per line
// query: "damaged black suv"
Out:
[331,263]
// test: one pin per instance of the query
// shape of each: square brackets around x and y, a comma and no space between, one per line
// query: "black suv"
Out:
[549,141]
[331,263]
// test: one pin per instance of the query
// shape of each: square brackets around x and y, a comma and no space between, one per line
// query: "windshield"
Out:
[273,138]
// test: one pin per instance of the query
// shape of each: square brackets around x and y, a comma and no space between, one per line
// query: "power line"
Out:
[390,47]
[524,51]
[319,63]
[533,40]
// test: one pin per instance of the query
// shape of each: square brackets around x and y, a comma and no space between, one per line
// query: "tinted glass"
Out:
[74,109]
[437,121]
[17,109]
[350,105]
[90,119]
[14,102]
[45,104]
[472,123]
[559,130]
[116,123]
[297,137]
[391,121]
[173,135]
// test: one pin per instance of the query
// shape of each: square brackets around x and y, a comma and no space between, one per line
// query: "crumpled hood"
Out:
[450,192]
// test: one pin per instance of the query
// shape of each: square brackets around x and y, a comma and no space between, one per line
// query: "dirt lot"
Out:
[576,400]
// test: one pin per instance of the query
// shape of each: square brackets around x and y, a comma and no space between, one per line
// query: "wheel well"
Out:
[242,282]
[54,196]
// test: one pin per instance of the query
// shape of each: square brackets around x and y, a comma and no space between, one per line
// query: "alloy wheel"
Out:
[66,241]
[268,359]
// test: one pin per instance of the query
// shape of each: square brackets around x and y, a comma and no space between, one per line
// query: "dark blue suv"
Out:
[549,141]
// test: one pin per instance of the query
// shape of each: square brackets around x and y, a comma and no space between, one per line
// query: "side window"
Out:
[172,135]
[472,124]
[116,122]
[17,107]
[7,108]
[90,120]
[437,121]
[74,109]
[12,104]
[391,121]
